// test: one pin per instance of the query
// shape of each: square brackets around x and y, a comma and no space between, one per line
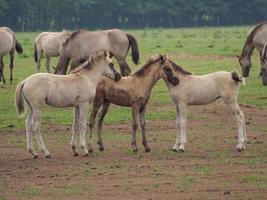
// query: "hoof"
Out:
[48,156]
[135,150]
[101,148]
[35,157]
[238,149]
[173,149]
[147,150]
[180,150]
[75,154]
[90,150]
[86,154]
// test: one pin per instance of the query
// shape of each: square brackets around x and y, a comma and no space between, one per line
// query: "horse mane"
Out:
[140,71]
[251,35]
[85,65]
[72,36]
[179,69]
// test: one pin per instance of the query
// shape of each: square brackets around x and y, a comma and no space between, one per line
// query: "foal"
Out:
[73,90]
[201,90]
[132,91]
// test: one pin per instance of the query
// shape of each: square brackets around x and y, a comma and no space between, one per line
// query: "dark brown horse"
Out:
[81,44]
[256,39]
[8,45]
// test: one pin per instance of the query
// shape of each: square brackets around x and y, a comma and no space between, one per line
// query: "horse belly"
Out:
[119,97]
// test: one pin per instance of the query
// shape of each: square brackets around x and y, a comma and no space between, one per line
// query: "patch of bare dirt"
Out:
[208,169]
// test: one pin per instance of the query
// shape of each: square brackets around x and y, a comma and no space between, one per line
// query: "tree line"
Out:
[31,15]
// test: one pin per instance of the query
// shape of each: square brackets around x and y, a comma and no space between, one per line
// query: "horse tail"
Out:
[63,63]
[35,52]
[134,46]
[19,98]
[237,77]
[18,47]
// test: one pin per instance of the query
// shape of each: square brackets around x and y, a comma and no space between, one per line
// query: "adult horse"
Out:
[81,44]
[73,90]
[8,45]
[256,39]
[50,44]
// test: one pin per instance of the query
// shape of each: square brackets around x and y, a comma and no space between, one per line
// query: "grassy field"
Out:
[199,50]
[209,169]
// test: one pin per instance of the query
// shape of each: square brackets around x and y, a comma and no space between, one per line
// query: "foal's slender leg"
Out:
[135,116]
[47,63]
[28,125]
[82,126]
[11,65]
[75,130]
[96,106]
[143,128]
[36,130]
[181,126]
[2,69]
[102,114]
[240,120]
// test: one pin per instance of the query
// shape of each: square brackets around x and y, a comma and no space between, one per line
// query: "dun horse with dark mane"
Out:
[81,44]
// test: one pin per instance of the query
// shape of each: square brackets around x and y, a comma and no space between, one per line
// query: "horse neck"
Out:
[95,74]
[247,50]
[151,78]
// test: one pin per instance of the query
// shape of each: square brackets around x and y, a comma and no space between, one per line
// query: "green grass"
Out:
[188,47]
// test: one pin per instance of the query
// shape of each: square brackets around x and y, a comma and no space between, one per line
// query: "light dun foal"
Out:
[74,90]
[201,90]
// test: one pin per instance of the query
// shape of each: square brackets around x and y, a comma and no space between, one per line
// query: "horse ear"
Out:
[263,60]
[162,58]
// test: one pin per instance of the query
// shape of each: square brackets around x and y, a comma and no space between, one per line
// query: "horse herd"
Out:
[89,53]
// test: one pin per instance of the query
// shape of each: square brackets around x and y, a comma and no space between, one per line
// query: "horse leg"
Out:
[181,126]
[75,130]
[2,69]
[102,114]
[36,130]
[240,120]
[11,65]
[135,116]
[96,106]
[39,57]
[82,126]
[28,125]
[124,67]
[47,63]
[143,128]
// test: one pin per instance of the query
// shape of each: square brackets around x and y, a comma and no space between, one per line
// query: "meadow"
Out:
[198,50]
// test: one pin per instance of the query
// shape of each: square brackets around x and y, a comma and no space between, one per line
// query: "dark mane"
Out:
[251,35]
[140,71]
[179,69]
[72,36]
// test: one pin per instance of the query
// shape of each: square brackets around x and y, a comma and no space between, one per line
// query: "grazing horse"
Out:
[8,44]
[201,90]
[132,91]
[73,90]
[256,39]
[49,43]
[82,44]
[264,65]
